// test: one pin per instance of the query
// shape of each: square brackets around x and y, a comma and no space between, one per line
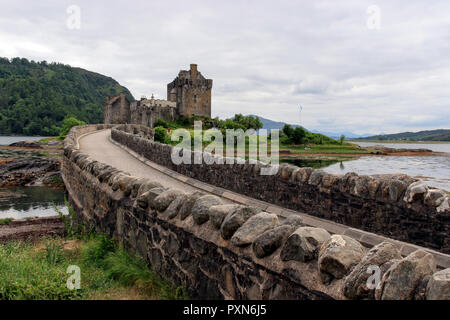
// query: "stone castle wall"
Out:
[396,206]
[221,251]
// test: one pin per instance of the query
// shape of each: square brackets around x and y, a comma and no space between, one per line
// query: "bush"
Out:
[298,135]
[161,123]
[160,134]
[68,123]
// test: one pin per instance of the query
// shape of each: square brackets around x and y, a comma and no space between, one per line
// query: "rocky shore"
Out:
[30,163]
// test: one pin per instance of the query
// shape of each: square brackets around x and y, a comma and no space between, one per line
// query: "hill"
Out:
[36,96]
[270,124]
[427,135]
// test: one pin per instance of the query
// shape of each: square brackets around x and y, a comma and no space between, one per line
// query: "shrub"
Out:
[68,123]
[161,123]
[160,134]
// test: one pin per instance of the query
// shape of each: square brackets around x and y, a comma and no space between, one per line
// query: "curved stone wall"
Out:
[218,250]
[396,206]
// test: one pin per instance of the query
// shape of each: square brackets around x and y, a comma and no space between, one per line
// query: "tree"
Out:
[288,131]
[298,135]
[341,139]
[68,123]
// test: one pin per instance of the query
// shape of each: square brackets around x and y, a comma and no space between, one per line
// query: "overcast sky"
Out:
[351,66]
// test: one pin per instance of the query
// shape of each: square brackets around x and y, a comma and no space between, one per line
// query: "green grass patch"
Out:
[5,221]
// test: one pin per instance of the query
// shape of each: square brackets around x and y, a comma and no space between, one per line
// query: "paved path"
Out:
[100,147]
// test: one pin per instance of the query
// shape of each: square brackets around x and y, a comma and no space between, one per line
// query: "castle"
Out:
[188,94]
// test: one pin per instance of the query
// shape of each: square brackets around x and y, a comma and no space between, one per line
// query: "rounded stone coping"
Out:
[366,238]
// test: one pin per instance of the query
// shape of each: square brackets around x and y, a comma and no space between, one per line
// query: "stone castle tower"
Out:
[187,94]
[191,92]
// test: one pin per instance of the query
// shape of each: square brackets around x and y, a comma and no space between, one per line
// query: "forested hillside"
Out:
[428,135]
[36,96]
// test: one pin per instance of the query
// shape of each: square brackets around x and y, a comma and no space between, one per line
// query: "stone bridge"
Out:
[226,232]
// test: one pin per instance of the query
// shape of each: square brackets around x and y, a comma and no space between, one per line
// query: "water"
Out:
[433,170]
[27,202]
[6,140]
[437,147]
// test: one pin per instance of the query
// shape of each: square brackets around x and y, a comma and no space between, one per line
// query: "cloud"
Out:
[265,57]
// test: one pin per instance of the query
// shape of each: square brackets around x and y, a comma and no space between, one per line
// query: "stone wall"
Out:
[230,251]
[396,206]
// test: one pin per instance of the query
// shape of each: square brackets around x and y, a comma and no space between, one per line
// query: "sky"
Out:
[360,66]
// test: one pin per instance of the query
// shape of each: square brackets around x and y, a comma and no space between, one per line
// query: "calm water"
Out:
[435,171]
[6,140]
[27,202]
[437,147]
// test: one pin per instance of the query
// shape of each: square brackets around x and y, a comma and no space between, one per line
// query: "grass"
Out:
[39,271]
[5,221]
[325,148]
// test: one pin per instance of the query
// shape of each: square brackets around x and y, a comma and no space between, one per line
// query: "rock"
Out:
[444,206]
[200,210]
[302,175]
[355,285]
[337,256]
[403,277]
[293,220]
[271,240]
[123,184]
[146,198]
[415,191]
[286,171]
[146,186]
[186,207]
[26,144]
[233,221]
[303,244]
[438,287]
[161,202]
[174,207]
[316,177]
[218,213]
[253,227]
[434,197]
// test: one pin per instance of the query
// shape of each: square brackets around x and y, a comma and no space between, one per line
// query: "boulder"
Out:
[438,287]
[302,175]
[293,220]
[253,227]
[200,209]
[303,244]
[233,221]
[271,240]
[186,207]
[337,256]
[146,186]
[355,285]
[162,201]
[434,197]
[174,207]
[146,198]
[218,213]
[316,177]
[403,277]
[415,191]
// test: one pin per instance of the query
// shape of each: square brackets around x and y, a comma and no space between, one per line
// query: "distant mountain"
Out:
[427,135]
[270,124]
[36,96]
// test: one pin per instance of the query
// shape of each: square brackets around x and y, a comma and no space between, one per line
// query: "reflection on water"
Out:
[436,147]
[25,202]
[313,163]
[435,171]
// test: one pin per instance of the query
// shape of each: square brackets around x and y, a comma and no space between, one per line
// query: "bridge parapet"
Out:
[396,206]
[232,251]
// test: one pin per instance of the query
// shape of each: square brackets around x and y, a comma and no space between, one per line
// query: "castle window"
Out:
[195,98]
